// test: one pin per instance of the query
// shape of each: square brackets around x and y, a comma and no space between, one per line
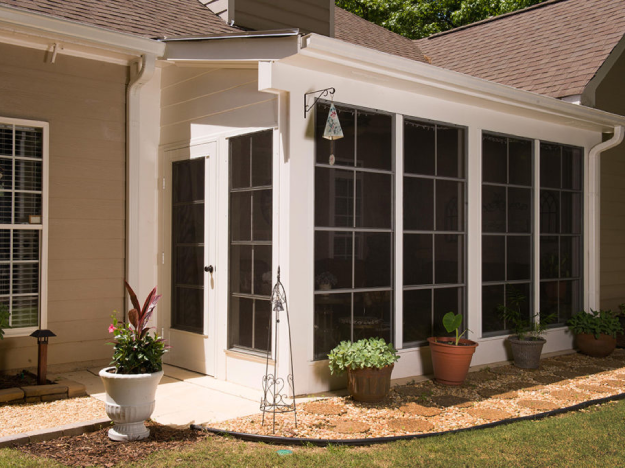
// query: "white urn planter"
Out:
[130,401]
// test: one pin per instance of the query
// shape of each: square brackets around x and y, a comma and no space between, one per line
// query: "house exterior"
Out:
[180,144]
[570,50]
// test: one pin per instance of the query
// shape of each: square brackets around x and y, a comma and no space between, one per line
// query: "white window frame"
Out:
[43,227]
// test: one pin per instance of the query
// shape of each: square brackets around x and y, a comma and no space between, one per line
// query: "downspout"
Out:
[141,71]
[594,214]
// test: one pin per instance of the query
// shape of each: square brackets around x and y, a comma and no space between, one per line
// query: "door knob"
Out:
[209,269]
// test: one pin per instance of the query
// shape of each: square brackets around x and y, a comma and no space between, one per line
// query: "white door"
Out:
[188,270]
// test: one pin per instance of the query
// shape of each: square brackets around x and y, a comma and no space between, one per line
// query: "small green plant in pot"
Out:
[595,332]
[526,342]
[451,356]
[368,363]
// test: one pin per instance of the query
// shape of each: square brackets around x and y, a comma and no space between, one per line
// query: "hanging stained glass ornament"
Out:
[333,131]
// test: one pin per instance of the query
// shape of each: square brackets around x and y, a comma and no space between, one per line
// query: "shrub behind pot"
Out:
[595,332]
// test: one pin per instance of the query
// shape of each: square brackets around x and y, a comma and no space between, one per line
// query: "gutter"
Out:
[594,213]
[144,72]
[43,26]
[237,35]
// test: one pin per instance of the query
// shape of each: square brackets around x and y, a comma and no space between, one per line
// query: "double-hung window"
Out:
[23,212]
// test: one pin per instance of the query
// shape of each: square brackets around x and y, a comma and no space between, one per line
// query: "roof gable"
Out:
[553,48]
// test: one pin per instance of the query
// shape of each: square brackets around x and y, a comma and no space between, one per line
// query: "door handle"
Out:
[209,269]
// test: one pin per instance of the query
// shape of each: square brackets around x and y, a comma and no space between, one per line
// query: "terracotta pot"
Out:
[130,400]
[588,344]
[526,353]
[451,363]
[369,384]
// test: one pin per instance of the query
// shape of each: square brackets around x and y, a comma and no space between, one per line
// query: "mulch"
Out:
[21,379]
[96,449]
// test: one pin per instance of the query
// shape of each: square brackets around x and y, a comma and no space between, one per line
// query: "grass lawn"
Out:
[592,437]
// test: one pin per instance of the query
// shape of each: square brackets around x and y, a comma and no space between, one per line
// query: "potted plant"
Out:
[368,363]
[4,319]
[130,384]
[595,332]
[326,281]
[526,342]
[451,357]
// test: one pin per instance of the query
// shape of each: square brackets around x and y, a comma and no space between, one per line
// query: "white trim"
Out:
[575,99]
[374,66]
[398,255]
[473,257]
[43,227]
[594,216]
[536,230]
[143,74]
[18,21]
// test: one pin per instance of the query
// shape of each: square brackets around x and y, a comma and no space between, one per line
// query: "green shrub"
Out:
[595,323]
[4,319]
[370,352]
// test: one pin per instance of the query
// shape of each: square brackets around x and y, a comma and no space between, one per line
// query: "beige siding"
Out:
[610,96]
[84,102]
[307,15]
[200,102]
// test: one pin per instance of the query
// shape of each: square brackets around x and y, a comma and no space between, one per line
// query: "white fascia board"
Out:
[228,49]
[390,70]
[20,25]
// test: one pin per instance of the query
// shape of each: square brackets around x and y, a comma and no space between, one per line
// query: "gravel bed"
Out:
[26,417]
[423,407]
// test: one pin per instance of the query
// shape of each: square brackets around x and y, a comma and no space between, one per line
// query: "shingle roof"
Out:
[356,30]
[159,18]
[554,48]
[146,18]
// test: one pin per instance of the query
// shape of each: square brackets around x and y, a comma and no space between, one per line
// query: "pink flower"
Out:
[111,328]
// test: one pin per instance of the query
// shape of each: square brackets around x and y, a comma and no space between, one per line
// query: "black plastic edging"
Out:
[383,440]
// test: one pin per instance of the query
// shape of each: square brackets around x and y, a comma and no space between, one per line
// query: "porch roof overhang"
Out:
[43,32]
[237,50]
[359,63]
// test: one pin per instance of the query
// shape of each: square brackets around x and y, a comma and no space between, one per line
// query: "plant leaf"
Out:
[451,321]
[133,318]
[133,297]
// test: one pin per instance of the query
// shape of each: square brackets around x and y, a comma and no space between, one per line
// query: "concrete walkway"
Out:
[184,397]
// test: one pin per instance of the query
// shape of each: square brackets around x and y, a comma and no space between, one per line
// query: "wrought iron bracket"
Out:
[319,94]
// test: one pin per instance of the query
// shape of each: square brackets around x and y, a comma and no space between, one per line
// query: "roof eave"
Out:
[21,23]
[447,81]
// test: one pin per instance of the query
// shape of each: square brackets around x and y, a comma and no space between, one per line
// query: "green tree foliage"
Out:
[420,18]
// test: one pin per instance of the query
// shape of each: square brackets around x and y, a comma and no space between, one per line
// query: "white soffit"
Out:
[22,28]
[232,50]
[360,63]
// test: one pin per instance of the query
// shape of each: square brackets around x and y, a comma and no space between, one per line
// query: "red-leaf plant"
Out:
[140,316]
[135,350]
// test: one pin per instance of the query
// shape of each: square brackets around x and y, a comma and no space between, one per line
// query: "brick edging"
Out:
[73,429]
